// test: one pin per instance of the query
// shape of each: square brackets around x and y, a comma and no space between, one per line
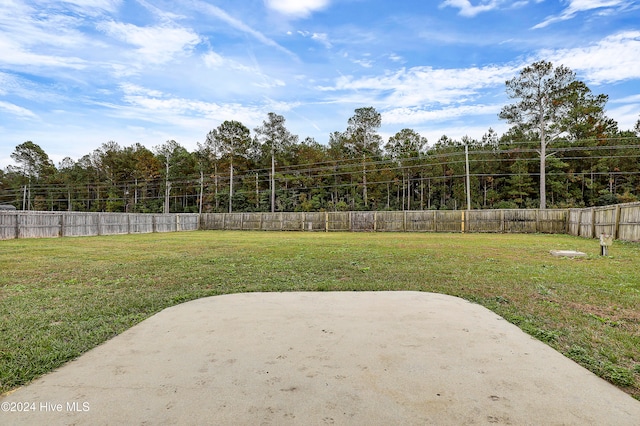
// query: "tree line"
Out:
[561,151]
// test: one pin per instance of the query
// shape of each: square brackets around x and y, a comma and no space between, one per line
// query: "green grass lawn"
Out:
[61,297]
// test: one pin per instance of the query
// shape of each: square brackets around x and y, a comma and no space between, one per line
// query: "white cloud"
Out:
[93,7]
[215,61]
[626,115]
[321,38]
[134,89]
[469,10]
[627,99]
[577,6]
[239,25]
[296,8]
[365,63]
[419,86]
[39,39]
[162,15]
[16,110]
[155,45]
[270,84]
[54,25]
[19,89]
[615,58]
[412,116]
[140,103]
[11,53]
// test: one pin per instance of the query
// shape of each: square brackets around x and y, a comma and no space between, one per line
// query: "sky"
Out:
[76,74]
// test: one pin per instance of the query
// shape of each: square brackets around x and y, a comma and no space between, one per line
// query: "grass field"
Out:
[61,297]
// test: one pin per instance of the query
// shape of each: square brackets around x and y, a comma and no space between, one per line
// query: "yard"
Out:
[61,297]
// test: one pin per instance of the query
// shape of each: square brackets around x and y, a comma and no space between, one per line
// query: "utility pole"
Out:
[166,197]
[273,179]
[167,185]
[231,188]
[466,159]
[201,190]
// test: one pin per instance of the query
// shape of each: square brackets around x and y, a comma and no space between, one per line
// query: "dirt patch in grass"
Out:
[611,315]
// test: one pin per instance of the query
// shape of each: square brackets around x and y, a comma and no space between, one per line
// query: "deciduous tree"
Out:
[34,164]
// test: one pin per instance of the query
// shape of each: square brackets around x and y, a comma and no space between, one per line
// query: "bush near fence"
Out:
[622,221]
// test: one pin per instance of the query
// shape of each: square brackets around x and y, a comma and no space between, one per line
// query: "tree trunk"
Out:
[364,179]
[404,191]
[231,186]
[421,192]
[167,190]
[201,191]
[388,195]
[215,171]
[273,181]
[543,164]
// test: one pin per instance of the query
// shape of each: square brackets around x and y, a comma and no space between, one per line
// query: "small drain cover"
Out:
[567,253]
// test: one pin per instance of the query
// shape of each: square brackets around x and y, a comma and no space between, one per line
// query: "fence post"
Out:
[404,221]
[375,221]
[502,221]
[593,222]
[616,230]
[61,232]
[326,221]
[17,225]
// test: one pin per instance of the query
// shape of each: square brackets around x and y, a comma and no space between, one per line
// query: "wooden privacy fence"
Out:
[32,224]
[520,221]
[622,221]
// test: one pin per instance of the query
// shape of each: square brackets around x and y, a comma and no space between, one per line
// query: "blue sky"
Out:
[75,74]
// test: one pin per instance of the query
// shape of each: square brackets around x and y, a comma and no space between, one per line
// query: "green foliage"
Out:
[590,162]
[617,375]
